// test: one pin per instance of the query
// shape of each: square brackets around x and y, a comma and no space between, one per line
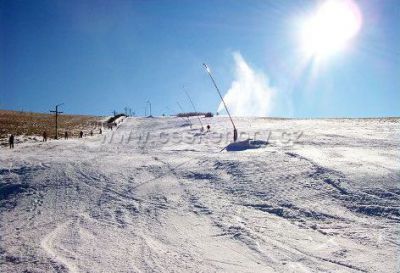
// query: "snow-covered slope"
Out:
[321,196]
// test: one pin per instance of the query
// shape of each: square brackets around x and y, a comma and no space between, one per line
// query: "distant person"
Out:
[80,134]
[66,135]
[44,136]
[11,141]
[208,128]
[100,131]
[91,132]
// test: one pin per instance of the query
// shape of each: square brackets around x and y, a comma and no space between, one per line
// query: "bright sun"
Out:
[330,28]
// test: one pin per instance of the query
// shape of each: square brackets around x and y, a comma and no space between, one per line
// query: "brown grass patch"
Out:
[34,124]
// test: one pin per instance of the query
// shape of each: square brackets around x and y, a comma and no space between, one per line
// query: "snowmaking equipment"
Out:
[235,135]
[194,108]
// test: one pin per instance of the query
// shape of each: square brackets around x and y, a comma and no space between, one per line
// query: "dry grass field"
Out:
[34,124]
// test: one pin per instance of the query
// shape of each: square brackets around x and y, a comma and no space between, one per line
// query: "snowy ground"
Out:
[322,196]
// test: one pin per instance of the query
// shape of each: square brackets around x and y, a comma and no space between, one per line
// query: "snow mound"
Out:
[246,145]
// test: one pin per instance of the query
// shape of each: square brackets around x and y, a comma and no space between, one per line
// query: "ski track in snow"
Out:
[328,203]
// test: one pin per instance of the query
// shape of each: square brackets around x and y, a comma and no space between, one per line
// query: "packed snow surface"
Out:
[155,195]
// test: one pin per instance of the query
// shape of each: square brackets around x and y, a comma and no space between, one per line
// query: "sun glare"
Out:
[330,28]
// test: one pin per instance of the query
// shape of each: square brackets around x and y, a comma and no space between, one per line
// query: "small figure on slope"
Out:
[11,141]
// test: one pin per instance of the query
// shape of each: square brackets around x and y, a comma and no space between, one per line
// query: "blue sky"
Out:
[97,56]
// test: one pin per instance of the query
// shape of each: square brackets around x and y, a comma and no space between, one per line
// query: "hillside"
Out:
[158,196]
[34,124]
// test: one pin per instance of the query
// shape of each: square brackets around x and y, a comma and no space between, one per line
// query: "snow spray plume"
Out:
[250,93]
